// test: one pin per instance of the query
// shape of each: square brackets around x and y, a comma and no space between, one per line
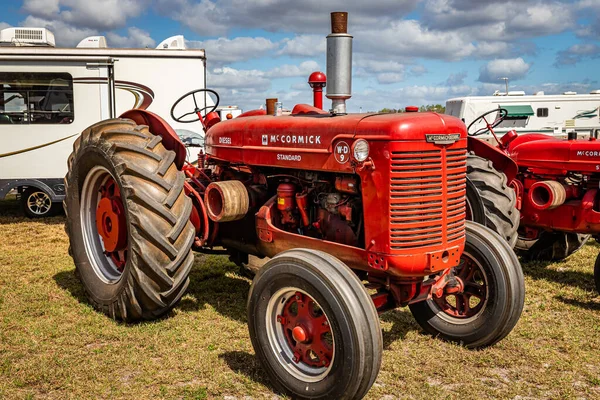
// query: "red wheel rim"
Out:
[111,223]
[307,331]
[473,298]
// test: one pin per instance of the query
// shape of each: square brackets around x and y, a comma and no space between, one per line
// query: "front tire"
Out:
[492,301]
[313,326]
[490,201]
[128,221]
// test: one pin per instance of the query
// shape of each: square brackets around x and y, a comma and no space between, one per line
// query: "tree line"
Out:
[429,107]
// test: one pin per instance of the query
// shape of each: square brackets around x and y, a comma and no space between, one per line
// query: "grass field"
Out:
[54,345]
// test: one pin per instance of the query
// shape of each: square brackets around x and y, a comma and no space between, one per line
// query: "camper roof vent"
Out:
[174,42]
[93,42]
[539,93]
[597,91]
[27,37]
[516,93]
[570,93]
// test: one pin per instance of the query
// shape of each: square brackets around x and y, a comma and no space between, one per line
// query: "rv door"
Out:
[106,82]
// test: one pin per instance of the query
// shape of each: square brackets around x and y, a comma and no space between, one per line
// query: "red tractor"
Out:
[358,213]
[539,192]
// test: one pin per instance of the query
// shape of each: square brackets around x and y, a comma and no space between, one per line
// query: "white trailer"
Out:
[49,95]
[555,115]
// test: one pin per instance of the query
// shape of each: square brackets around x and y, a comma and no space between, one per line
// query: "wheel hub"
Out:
[307,331]
[466,296]
[299,334]
[110,222]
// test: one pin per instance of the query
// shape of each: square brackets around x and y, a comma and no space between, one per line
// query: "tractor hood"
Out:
[546,152]
[249,131]
[267,140]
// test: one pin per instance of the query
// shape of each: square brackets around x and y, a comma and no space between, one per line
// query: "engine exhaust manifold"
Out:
[226,201]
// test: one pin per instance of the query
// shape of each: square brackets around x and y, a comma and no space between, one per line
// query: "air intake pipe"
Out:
[546,195]
[226,201]
[339,63]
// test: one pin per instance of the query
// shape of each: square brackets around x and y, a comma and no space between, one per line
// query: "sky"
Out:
[405,52]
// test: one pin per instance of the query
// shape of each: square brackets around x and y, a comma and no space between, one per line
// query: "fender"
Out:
[160,127]
[499,159]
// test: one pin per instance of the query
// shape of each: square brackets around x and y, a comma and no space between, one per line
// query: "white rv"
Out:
[49,95]
[551,114]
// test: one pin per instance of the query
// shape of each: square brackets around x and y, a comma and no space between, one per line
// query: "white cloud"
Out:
[489,49]
[543,18]
[372,65]
[225,50]
[73,20]
[577,53]
[456,79]
[407,38]
[512,68]
[97,15]
[232,78]
[41,8]
[286,71]
[499,19]
[304,46]
[4,25]
[217,17]
[136,38]
[418,70]
[389,77]
[385,72]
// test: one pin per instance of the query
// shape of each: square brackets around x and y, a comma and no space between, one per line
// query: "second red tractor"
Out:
[541,193]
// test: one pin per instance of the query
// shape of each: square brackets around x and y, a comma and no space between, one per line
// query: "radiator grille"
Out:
[427,197]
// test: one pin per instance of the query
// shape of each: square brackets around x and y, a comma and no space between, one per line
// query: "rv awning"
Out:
[519,111]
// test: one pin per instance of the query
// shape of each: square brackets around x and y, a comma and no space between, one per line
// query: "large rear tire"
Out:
[122,184]
[313,326]
[493,298]
[551,246]
[490,201]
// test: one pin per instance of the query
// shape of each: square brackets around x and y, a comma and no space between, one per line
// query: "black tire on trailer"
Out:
[340,355]
[148,276]
[492,275]
[490,201]
[36,203]
[551,246]
[597,273]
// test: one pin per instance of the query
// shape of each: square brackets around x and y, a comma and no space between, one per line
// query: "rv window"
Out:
[36,98]
[542,112]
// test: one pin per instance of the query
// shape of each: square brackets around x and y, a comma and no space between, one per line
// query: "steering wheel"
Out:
[489,127]
[196,109]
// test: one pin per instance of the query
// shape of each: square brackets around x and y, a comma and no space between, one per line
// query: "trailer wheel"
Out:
[128,221]
[550,246]
[36,203]
[313,326]
[490,201]
[492,300]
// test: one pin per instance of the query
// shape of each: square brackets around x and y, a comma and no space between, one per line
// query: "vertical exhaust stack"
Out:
[339,63]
